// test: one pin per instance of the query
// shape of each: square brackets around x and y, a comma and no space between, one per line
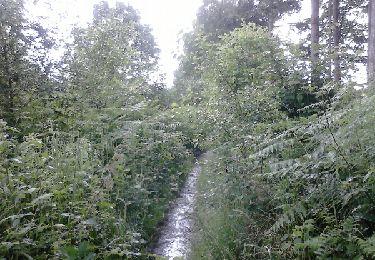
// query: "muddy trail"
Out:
[174,235]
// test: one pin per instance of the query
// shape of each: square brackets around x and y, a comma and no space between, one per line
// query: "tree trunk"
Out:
[7,88]
[271,18]
[330,37]
[371,41]
[336,40]
[315,42]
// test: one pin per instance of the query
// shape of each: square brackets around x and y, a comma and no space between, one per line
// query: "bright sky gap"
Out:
[167,18]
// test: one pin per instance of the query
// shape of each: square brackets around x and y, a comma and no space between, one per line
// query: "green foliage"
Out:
[246,74]
[60,190]
[90,161]
[306,190]
[219,17]
[189,84]
[351,46]
[82,252]
[89,168]
[112,60]
[221,222]
[24,61]
[282,186]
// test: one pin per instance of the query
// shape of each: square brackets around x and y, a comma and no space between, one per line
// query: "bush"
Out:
[60,198]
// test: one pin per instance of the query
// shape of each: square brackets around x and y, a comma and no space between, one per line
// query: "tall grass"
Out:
[219,224]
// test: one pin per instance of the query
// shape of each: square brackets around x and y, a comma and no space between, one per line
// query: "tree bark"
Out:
[8,92]
[272,15]
[330,37]
[371,42]
[336,40]
[315,42]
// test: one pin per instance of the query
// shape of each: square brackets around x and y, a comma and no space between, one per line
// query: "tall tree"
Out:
[315,42]
[192,65]
[222,16]
[12,51]
[139,38]
[111,64]
[214,19]
[24,65]
[273,10]
[116,51]
[341,38]
[371,41]
[336,39]
[330,36]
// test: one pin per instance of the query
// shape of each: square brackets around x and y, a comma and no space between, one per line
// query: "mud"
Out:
[174,236]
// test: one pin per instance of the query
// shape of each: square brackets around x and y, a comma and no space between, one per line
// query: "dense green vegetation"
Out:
[291,166]
[90,156]
[93,147]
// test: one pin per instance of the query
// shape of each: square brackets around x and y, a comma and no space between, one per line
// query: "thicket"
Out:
[90,155]
[291,169]
[93,148]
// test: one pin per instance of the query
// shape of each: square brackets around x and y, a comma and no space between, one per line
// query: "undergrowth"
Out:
[304,191]
[60,199]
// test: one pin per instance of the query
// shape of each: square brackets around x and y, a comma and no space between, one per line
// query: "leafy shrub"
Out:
[286,188]
[57,193]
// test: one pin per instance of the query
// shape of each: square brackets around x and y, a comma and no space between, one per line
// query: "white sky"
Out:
[282,26]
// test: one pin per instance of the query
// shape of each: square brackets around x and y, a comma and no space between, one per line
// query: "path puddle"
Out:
[174,238]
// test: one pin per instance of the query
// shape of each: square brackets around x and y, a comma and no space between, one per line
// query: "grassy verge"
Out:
[218,228]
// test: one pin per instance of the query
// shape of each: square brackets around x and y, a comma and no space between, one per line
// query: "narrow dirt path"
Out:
[174,239]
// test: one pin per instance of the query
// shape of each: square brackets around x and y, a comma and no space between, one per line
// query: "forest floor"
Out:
[175,234]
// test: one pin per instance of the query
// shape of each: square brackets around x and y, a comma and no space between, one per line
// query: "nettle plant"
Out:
[53,196]
[62,196]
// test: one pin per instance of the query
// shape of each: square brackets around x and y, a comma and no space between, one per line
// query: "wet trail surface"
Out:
[174,236]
